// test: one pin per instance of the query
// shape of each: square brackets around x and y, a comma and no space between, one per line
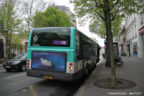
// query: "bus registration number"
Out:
[48,77]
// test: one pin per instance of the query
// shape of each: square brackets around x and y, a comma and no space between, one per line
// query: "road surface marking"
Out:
[32,90]
[17,75]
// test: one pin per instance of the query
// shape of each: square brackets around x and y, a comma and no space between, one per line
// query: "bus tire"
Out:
[86,71]
[94,65]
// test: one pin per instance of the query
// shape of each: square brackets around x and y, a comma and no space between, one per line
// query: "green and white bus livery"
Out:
[61,53]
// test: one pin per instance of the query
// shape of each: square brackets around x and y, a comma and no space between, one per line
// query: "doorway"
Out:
[1,49]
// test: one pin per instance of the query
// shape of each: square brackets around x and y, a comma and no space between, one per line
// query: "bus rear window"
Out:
[51,37]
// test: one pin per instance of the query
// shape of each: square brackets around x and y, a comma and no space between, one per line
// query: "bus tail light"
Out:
[71,66]
[28,64]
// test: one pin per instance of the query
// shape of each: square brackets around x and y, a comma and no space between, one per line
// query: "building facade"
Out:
[132,35]
[122,43]
[141,35]
[134,29]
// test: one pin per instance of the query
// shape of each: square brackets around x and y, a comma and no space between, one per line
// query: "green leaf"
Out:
[52,17]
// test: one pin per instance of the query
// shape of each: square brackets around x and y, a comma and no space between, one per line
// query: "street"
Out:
[18,84]
[101,41]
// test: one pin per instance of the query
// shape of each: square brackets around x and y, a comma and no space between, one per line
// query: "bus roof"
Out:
[46,28]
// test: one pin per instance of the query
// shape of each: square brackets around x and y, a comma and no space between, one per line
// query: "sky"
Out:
[84,28]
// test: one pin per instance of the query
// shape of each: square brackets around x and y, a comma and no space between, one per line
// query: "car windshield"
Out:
[20,56]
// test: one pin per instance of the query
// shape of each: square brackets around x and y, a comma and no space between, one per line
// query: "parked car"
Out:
[18,63]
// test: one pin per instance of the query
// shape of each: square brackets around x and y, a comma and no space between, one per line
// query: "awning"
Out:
[141,30]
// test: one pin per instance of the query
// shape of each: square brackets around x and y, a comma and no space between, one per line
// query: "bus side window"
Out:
[78,46]
[93,51]
[85,47]
[86,50]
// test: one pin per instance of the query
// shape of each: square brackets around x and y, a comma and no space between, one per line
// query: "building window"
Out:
[135,31]
[141,18]
[135,51]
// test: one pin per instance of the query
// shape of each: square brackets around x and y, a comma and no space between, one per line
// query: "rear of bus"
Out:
[51,53]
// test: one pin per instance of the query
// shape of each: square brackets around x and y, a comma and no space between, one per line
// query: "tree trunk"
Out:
[30,14]
[8,46]
[7,52]
[109,40]
[10,43]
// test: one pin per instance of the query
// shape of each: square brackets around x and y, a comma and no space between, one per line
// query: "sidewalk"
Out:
[1,66]
[133,70]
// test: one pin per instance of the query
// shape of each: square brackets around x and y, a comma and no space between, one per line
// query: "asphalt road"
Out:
[18,84]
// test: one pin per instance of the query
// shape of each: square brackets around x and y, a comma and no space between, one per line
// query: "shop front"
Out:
[141,33]
[135,51]
[143,43]
[128,49]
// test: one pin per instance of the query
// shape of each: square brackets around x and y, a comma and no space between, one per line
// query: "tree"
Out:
[107,11]
[52,17]
[9,24]
[26,10]
[97,26]
[29,17]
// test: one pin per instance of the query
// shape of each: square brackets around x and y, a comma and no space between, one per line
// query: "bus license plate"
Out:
[48,77]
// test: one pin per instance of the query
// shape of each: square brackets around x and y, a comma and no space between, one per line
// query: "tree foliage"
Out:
[8,23]
[52,17]
[97,26]
[26,9]
[94,10]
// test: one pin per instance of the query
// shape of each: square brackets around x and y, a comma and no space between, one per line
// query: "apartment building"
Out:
[122,43]
[141,35]
[134,35]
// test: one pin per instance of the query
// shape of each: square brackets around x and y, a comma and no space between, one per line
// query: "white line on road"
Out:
[17,75]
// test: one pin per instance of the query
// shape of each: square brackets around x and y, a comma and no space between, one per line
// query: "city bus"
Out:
[61,53]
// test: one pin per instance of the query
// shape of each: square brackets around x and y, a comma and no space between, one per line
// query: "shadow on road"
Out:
[61,88]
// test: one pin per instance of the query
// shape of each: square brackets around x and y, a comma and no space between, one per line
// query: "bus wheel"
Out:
[94,65]
[87,71]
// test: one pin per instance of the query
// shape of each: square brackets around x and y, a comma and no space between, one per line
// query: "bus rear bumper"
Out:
[54,75]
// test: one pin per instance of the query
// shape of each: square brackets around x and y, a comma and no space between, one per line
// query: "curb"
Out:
[1,65]
[80,91]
